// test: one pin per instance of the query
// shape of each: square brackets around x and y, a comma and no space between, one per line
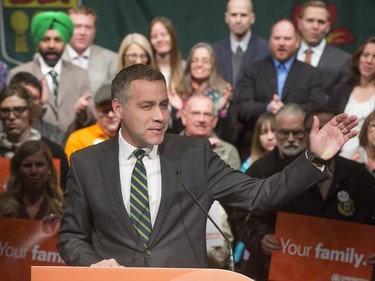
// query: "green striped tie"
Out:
[139,204]
[55,84]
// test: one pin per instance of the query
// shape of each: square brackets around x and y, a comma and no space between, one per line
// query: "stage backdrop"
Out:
[195,21]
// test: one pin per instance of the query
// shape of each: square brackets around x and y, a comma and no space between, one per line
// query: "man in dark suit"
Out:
[67,96]
[269,84]
[115,215]
[239,18]
[314,25]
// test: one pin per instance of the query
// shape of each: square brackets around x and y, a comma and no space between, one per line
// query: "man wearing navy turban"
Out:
[68,104]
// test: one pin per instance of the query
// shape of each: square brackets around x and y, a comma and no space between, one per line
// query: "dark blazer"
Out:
[348,176]
[340,96]
[257,49]
[95,224]
[334,63]
[258,85]
[73,84]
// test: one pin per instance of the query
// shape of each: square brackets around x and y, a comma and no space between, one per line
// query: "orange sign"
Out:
[24,243]
[321,249]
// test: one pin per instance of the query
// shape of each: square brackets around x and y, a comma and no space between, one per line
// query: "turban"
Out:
[51,20]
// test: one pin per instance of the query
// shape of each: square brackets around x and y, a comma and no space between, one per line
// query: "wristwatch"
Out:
[315,159]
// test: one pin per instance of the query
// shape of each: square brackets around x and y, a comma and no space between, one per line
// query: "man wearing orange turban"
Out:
[67,100]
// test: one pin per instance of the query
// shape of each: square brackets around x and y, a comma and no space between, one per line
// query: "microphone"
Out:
[231,256]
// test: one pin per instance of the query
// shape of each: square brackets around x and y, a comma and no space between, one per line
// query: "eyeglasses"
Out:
[134,57]
[17,111]
[297,134]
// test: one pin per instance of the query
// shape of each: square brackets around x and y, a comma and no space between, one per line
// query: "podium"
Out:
[63,273]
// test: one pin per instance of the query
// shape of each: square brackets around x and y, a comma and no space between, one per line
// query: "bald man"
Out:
[67,91]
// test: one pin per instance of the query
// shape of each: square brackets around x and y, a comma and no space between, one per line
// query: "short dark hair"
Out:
[325,109]
[287,20]
[314,4]
[22,93]
[122,81]
[26,78]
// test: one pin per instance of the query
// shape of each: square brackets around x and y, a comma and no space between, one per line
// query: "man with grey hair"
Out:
[323,200]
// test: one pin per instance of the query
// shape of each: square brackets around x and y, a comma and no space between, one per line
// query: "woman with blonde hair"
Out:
[135,48]
[264,139]
[33,191]
[163,38]
[202,77]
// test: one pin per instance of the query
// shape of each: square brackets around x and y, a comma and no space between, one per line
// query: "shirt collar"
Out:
[74,55]
[287,64]
[126,149]
[317,50]
[45,69]
[243,43]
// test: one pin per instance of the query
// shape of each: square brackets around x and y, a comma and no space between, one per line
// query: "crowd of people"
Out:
[254,100]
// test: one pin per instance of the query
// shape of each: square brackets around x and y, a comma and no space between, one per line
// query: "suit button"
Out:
[148,252]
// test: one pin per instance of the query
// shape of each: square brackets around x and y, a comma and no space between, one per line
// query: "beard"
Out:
[51,57]
[291,150]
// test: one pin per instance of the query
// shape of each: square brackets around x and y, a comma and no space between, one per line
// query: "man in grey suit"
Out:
[99,225]
[67,94]
[100,63]
[314,25]
[270,83]
[239,17]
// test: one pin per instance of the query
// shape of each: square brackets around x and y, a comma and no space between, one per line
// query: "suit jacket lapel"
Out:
[228,58]
[109,167]
[292,76]
[270,76]
[325,58]
[169,162]
[65,77]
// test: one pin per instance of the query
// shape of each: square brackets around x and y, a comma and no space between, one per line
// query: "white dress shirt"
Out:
[45,69]
[152,165]
[243,43]
[79,60]
[317,52]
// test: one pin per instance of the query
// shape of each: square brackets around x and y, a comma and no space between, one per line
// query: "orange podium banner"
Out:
[48,273]
[318,249]
[24,243]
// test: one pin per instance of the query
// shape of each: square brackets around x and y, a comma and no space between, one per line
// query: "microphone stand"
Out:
[231,256]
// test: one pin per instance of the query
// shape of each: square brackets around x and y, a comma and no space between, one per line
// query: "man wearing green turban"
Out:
[68,98]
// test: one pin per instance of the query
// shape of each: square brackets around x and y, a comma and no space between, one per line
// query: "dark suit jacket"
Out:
[340,96]
[95,224]
[72,85]
[257,49]
[258,85]
[348,176]
[334,63]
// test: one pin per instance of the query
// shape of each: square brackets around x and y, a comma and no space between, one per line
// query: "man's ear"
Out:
[183,117]
[117,108]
